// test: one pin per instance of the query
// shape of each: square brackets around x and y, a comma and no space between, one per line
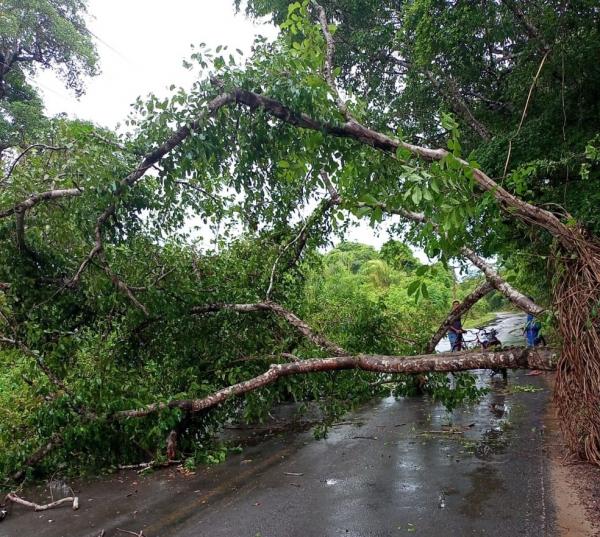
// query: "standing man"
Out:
[532,332]
[455,331]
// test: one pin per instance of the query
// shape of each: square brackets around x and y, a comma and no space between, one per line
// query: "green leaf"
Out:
[422,270]
[413,287]
[416,195]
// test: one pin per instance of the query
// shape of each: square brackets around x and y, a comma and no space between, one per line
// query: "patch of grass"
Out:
[525,388]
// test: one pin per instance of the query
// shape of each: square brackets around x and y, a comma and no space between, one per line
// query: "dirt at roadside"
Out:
[576,486]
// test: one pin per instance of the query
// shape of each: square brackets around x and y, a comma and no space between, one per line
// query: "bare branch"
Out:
[27,150]
[301,326]
[74,500]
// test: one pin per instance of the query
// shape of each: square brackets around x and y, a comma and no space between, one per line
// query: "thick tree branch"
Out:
[544,359]
[517,298]
[351,129]
[467,303]
[301,326]
[35,199]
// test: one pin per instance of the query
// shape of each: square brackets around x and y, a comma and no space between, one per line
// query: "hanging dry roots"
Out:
[577,393]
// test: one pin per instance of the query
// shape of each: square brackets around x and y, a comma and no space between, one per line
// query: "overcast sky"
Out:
[142,44]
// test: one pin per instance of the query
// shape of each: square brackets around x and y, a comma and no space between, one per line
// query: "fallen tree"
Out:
[577,271]
[514,358]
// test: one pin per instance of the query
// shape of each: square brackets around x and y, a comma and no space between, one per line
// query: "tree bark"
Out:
[35,199]
[352,129]
[517,298]
[544,359]
[73,500]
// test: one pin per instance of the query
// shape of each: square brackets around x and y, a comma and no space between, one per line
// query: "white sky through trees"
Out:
[142,44]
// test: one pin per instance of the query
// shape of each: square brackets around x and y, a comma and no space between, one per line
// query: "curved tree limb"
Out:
[467,303]
[516,297]
[73,500]
[526,212]
[35,199]
[351,129]
[147,162]
[295,321]
[21,208]
[544,359]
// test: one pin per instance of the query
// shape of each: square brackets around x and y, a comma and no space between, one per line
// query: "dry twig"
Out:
[74,500]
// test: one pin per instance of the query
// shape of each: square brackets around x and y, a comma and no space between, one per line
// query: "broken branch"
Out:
[74,500]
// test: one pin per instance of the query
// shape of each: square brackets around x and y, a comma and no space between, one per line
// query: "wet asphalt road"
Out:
[393,468]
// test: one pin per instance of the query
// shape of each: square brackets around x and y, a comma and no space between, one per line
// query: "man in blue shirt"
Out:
[532,330]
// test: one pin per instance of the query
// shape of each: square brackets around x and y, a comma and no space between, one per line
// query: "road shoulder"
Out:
[575,487]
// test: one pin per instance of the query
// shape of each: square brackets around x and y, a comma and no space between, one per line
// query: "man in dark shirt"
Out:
[455,331]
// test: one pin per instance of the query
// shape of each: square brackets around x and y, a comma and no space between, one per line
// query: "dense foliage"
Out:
[98,285]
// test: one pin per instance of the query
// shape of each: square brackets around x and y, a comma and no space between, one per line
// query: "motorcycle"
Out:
[490,341]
